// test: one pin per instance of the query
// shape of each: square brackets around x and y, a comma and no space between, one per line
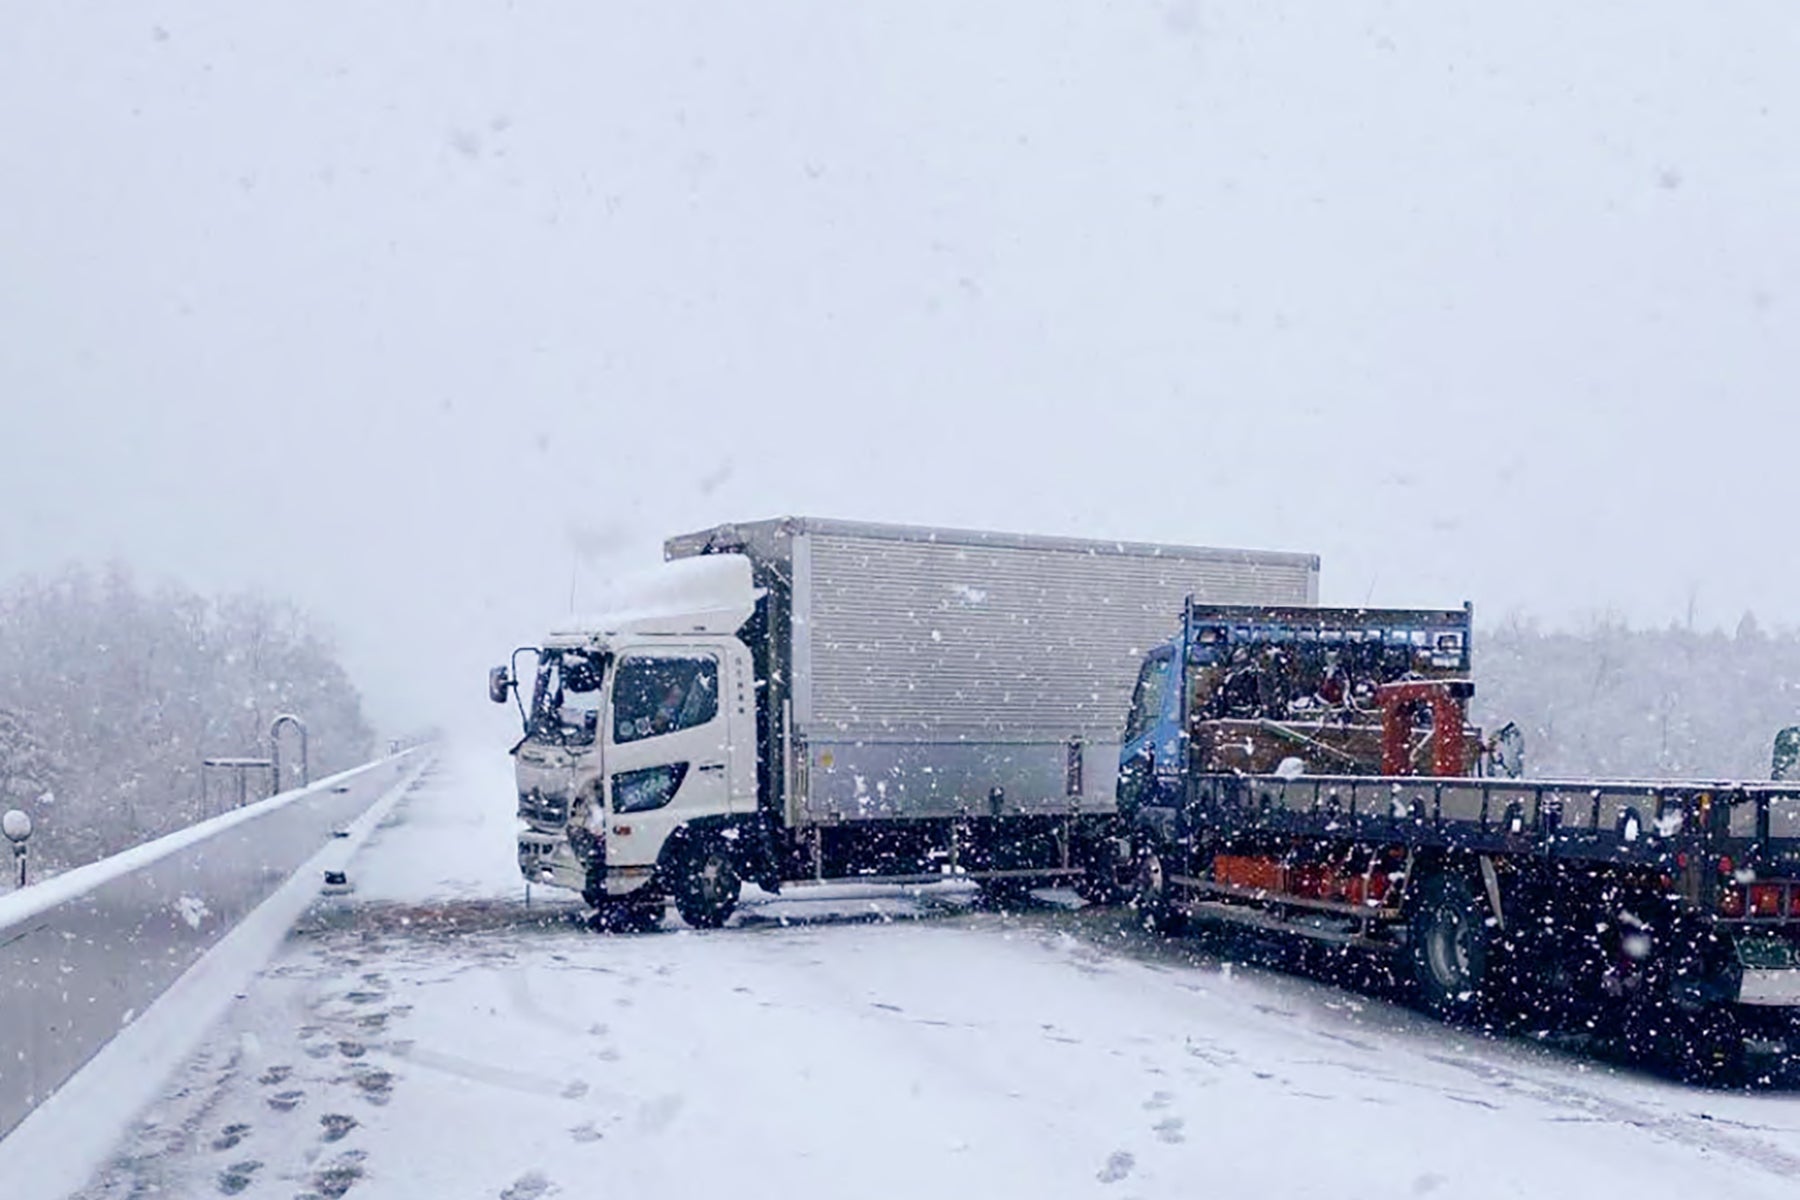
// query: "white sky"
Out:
[403,310]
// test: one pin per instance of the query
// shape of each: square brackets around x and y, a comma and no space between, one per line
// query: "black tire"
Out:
[1008,893]
[627,916]
[706,884]
[1151,897]
[1716,1052]
[1106,878]
[1699,1045]
[1451,948]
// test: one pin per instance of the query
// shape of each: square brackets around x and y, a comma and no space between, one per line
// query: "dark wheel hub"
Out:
[1450,948]
[1447,948]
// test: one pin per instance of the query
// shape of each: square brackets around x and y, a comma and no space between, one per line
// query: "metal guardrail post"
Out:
[275,749]
[91,955]
[243,767]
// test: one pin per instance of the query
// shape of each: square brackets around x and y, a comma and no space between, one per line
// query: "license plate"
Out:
[1767,953]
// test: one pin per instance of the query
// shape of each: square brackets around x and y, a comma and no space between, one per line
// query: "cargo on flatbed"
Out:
[1665,913]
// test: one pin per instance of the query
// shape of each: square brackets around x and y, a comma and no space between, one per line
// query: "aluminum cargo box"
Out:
[920,671]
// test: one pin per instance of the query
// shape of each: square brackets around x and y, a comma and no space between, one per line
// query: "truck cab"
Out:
[1154,745]
[639,749]
[1257,689]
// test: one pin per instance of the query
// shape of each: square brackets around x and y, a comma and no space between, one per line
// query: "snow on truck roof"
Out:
[711,540]
[712,594]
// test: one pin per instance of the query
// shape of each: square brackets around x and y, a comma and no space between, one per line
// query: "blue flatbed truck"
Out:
[1310,771]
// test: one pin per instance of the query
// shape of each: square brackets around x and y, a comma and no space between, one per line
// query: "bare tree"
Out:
[125,689]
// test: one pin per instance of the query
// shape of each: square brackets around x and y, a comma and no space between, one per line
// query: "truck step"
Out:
[1318,928]
[792,885]
[1268,896]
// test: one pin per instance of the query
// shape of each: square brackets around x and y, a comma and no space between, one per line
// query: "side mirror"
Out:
[1509,751]
[1786,763]
[500,684]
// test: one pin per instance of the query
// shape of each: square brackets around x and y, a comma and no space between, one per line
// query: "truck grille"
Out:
[540,809]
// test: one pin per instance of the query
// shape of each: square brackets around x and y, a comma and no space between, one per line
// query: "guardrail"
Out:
[84,953]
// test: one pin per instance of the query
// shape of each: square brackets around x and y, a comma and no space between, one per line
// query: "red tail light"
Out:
[1767,899]
[1731,902]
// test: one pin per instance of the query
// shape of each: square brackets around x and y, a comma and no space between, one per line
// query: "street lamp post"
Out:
[17,827]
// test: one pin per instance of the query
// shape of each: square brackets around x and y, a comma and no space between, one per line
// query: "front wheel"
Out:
[706,885]
[627,916]
[1450,948]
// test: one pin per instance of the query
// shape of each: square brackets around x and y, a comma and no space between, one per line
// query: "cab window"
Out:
[1147,698]
[655,696]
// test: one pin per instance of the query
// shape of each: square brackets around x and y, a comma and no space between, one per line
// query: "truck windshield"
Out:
[565,704]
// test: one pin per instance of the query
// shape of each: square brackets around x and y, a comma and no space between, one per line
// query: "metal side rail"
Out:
[85,953]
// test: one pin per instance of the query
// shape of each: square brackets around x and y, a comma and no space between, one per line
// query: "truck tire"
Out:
[1005,894]
[1105,877]
[627,916]
[706,884]
[1151,896]
[1713,1053]
[1450,947]
[1701,1044]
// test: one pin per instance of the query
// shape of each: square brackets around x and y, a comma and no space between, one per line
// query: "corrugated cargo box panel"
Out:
[905,638]
[937,672]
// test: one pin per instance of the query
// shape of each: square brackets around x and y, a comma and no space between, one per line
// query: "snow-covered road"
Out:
[432,1036]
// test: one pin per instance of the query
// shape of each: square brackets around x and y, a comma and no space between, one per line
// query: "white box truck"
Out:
[820,700]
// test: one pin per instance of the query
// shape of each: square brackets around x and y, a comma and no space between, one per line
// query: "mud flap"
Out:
[1490,882]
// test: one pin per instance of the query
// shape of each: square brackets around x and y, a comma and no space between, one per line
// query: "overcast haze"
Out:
[413,314]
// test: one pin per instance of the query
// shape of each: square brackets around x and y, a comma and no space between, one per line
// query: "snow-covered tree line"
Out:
[112,693]
[1609,700]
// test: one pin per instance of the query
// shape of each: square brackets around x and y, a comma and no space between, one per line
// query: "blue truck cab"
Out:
[1243,665]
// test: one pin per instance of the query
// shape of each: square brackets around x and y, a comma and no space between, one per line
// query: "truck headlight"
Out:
[652,787]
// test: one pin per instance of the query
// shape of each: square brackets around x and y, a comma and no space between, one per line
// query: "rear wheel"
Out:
[1006,892]
[1151,895]
[1450,948]
[1107,876]
[706,885]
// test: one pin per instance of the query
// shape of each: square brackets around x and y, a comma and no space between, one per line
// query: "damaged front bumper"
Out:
[548,859]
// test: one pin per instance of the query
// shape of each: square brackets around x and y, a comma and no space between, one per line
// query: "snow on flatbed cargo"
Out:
[431,1035]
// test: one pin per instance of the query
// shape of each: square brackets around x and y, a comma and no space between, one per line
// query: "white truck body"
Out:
[858,700]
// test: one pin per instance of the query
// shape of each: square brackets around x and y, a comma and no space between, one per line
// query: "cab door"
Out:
[667,749]
[1151,739]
